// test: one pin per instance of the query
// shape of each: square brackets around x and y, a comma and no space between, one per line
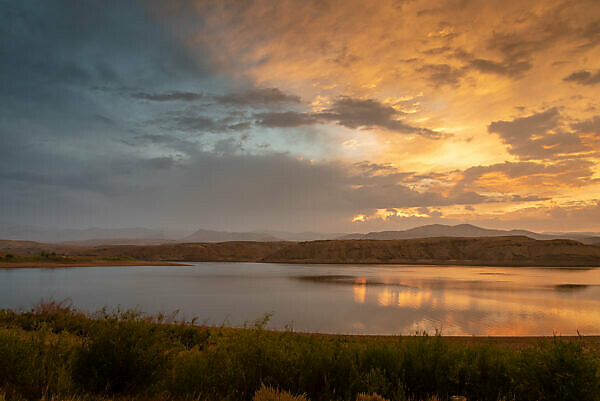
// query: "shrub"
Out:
[35,363]
[265,393]
[125,352]
[370,397]
[557,371]
[122,356]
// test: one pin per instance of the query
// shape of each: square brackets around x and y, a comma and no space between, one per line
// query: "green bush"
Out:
[557,371]
[35,363]
[122,356]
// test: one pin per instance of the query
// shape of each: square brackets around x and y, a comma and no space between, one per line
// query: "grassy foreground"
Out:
[57,353]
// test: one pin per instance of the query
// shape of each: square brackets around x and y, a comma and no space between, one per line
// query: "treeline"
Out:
[55,351]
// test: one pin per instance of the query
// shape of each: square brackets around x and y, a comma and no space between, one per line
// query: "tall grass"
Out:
[55,351]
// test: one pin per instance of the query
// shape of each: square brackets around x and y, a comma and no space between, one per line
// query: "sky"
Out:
[331,116]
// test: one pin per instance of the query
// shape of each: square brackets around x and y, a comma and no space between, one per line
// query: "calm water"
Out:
[334,299]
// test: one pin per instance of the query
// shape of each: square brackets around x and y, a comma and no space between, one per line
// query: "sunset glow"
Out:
[314,115]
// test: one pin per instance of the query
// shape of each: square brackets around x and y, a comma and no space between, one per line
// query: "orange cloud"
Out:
[495,98]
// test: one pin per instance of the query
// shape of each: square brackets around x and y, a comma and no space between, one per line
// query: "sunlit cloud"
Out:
[363,117]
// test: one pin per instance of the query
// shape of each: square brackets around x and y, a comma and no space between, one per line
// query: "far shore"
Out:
[99,263]
[511,251]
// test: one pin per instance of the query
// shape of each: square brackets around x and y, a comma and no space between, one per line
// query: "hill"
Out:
[467,230]
[490,251]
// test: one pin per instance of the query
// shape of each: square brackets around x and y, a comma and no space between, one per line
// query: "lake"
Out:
[358,299]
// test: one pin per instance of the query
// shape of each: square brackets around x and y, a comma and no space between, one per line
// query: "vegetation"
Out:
[57,353]
[52,259]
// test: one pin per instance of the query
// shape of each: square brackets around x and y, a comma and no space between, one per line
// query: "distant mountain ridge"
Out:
[145,236]
[465,230]
[224,236]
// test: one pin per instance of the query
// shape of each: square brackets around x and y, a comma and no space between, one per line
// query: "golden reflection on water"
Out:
[360,290]
[478,301]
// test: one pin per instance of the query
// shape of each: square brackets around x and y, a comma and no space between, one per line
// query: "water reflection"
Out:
[336,299]
[360,290]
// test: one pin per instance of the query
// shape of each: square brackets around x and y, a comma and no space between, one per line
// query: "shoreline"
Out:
[512,342]
[58,265]
[100,263]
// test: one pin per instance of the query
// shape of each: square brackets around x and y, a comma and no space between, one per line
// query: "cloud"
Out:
[510,69]
[590,33]
[537,136]
[528,175]
[198,122]
[255,98]
[590,126]
[364,113]
[287,119]
[258,97]
[437,50]
[224,188]
[584,77]
[350,113]
[508,66]
[169,96]
[370,113]
[96,129]
[442,74]
[515,46]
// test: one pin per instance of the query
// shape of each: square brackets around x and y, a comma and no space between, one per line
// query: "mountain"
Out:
[119,241]
[303,236]
[223,236]
[466,230]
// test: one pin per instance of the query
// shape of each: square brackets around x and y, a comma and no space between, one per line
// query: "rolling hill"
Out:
[467,230]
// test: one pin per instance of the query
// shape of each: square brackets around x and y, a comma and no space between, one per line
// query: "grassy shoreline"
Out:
[55,351]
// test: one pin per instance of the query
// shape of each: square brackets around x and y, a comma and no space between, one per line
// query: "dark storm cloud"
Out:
[513,46]
[544,31]
[86,42]
[286,119]
[350,113]
[373,168]
[169,96]
[371,113]
[359,113]
[442,74]
[437,50]
[538,136]
[584,77]
[257,98]
[254,98]
[220,189]
[510,69]
[62,147]
[198,121]
[590,126]
[590,34]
